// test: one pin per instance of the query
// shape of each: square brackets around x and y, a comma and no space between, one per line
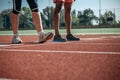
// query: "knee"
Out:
[68,7]
[14,11]
[35,9]
[57,9]
[68,10]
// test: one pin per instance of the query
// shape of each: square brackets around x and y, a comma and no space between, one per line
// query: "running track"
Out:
[95,57]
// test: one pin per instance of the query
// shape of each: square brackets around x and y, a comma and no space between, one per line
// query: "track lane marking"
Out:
[66,43]
[57,51]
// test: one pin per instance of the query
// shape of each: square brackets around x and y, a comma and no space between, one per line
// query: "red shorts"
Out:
[68,1]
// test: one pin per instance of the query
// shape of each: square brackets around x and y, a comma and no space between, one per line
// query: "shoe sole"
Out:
[73,40]
[17,42]
[47,38]
[59,41]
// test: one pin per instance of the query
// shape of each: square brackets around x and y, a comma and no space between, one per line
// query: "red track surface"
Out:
[95,57]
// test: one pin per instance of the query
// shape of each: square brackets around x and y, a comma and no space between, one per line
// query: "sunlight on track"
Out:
[99,41]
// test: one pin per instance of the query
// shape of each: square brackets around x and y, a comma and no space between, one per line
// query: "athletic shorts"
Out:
[64,1]
[17,5]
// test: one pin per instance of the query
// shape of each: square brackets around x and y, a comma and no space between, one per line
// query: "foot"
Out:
[70,37]
[16,40]
[43,37]
[58,38]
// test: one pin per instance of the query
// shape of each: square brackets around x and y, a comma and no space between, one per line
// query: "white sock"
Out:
[40,33]
[16,35]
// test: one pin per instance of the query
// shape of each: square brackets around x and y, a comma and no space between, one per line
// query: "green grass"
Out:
[74,31]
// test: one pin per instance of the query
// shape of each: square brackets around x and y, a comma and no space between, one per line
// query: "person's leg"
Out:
[57,17]
[35,15]
[57,37]
[43,37]
[67,7]
[15,21]
[68,19]
[15,15]
[38,22]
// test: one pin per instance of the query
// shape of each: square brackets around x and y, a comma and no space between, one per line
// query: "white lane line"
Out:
[7,79]
[2,45]
[52,44]
[115,37]
[57,51]
[98,38]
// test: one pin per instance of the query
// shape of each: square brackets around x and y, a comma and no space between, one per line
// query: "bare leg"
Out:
[37,21]
[43,37]
[68,20]
[68,16]
[56,17]
[15,22]
[57,37]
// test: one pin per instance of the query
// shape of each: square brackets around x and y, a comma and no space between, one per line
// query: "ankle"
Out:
[41,32]
[16,35]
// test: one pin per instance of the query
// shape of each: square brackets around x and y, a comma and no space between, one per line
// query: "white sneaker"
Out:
[16,40]
[43,37]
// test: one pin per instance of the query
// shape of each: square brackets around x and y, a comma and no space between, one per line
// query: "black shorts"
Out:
[17,6]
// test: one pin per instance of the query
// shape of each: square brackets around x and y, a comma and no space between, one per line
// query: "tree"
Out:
[75,20]
[62,18]
[86,17]
[6,20]
[108,18]
[48,14]
[26,18]
[5,15]
[1,21]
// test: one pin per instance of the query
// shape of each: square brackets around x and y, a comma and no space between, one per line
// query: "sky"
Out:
[78,4]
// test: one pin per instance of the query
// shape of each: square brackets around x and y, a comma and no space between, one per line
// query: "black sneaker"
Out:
[58,38]
[70,37]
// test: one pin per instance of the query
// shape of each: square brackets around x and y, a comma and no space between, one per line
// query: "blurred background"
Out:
[85,14]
